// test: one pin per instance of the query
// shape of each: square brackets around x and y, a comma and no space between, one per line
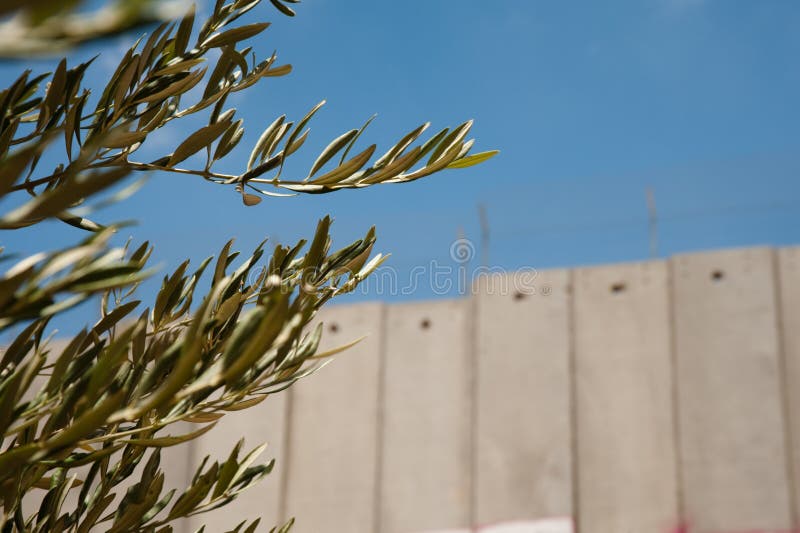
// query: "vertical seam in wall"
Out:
[472,353]
[783,370]
[283,492]
[185,523]
[573,402]
[380,421]
[675,394]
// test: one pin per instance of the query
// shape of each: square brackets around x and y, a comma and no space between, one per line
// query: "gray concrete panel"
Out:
[627,466]
[730,408]
[523,430]
[333,417]
[426,433]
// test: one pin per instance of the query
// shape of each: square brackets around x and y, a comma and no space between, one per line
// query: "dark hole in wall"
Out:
[618,287]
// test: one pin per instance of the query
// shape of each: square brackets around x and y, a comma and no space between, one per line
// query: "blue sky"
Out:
[591,103]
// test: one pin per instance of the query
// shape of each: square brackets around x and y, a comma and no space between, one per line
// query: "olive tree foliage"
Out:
[44,26]
[84,425]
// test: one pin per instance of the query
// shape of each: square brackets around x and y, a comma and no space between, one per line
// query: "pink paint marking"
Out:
[686,529]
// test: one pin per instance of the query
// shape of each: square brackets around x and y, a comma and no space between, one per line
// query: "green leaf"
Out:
[244,404]
[15,457]
[223,260]
[331,150]
[235,35]
[164,442]
[317,249]
[72,123]
[401,164]
[246,462]
[348,169]
[87,422]
[445,159]
[195,494]
[122,138]
[228,470]
[125,83]
[184,31]
[282,70]
[474,159]
[11,167]
[158,507]
[354,139]
[53,201]
[8,398]
[252,527]
[404,143]
[173,89]
[169,293]
[229,139]
[174,67]
[55,94]
[452,138]
[294,145]
[268,326]
[197,141]
[295,139]
[79,459]
[111,319]
[264,141]
[286,10]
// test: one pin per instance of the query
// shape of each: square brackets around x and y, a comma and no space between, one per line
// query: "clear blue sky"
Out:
[590,102]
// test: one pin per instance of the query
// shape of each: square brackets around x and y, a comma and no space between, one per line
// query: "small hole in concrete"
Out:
[617,288]
[717,275]
[519,296]
[334,327]
[425,324]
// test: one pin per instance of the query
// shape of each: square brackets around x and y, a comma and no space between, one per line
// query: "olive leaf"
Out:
[197,141]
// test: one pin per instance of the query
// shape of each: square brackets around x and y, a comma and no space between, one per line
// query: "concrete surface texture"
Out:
[426,418]
[732,425]
[654,397]
[627,469]
[522,424]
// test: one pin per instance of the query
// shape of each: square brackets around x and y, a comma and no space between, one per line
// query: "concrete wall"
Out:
[626,449]
[629,398]
[733,428]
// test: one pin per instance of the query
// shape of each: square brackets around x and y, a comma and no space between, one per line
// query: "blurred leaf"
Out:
[52,202]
